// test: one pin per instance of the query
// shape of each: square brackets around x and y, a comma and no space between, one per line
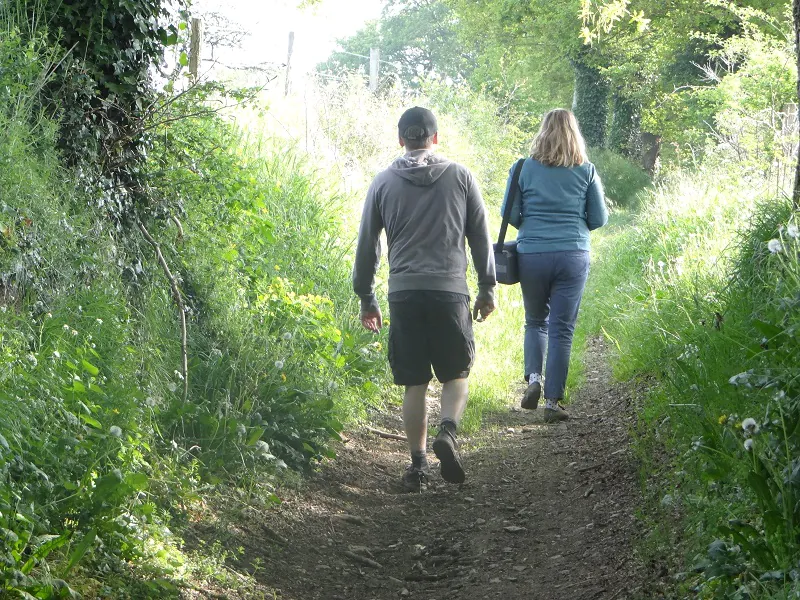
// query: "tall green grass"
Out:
[690,294]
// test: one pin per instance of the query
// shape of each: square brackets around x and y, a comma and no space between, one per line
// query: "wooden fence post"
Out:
[195,45]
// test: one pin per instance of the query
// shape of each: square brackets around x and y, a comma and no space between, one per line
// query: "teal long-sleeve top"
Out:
[559,207]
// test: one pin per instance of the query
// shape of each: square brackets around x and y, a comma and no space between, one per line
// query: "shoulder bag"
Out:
[505,253]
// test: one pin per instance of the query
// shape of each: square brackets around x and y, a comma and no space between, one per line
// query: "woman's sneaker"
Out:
[416,479]
[444,446]
[530,399]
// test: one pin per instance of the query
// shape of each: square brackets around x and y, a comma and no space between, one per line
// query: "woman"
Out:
[561,201]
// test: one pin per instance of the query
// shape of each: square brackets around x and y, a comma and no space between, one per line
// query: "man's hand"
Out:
[372,320]
[483,307]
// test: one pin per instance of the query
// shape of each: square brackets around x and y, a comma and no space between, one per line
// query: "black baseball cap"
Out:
[420,118]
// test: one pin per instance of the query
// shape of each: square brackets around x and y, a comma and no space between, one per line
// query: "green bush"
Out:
[99,446]
[623,180]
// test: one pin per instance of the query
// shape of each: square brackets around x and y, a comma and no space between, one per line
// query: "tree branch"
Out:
[176,296]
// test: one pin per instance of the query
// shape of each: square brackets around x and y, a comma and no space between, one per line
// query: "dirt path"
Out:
[546,513]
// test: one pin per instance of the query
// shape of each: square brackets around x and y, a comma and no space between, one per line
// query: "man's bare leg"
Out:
[415,420]
[454,401]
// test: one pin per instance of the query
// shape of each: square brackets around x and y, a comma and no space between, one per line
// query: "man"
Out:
[428,206]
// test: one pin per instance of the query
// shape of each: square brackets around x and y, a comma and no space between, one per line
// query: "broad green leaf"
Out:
[184,59]
[90,368]
[81,549]
[138,481]
[255,435]
[91,421]
[52,543]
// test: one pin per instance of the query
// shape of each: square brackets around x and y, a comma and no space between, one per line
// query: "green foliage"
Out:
[102,87]
[99,448]
[591,103]
[700,302]
[623,180]
[416,40]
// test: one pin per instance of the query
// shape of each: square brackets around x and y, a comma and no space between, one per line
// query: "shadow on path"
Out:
[547,512]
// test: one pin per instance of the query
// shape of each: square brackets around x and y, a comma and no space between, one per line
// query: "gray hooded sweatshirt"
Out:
[429,206]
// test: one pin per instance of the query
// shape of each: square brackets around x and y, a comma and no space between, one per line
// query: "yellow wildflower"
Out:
[722,419]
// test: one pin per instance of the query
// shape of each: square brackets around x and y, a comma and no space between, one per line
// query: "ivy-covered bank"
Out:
[175,309]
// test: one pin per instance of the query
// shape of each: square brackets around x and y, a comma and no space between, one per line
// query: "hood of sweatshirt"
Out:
[420,167]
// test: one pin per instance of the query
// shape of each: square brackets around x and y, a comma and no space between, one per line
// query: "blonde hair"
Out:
[559,142]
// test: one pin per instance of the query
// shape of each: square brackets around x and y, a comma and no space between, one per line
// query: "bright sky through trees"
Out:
[269,23]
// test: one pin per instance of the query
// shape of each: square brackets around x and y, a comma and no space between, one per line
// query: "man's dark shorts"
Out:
[430,329]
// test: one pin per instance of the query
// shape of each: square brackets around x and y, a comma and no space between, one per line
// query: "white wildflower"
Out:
[279,364]
[287,336]
[99,321]
[115,431]
[32,359]
[750,425]
[793,231]
[748,445]
[216,353]
[774,246]
[66,327]
[73,332]
[178,374]
[739,378]
[241,430]
[56,354]
[661,264]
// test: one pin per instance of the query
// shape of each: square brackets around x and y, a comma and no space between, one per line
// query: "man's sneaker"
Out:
[446,450]
[555,415]
[415,479]
[530,399]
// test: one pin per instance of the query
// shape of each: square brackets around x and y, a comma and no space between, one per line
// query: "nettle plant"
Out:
[763,450]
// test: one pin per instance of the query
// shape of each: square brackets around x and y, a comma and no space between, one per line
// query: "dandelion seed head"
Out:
[748,444]
[278,364]
[774,246]
[241,430]
[749,425]
[115,431]
[793,231]
[287,336]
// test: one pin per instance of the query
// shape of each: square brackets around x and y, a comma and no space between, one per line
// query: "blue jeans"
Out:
[552,286]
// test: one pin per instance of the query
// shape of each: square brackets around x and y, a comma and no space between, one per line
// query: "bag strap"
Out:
[513,191]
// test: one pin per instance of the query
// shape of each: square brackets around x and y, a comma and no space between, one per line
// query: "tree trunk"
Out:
[651,152]
[796,15]
[625,133]
[590,103]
